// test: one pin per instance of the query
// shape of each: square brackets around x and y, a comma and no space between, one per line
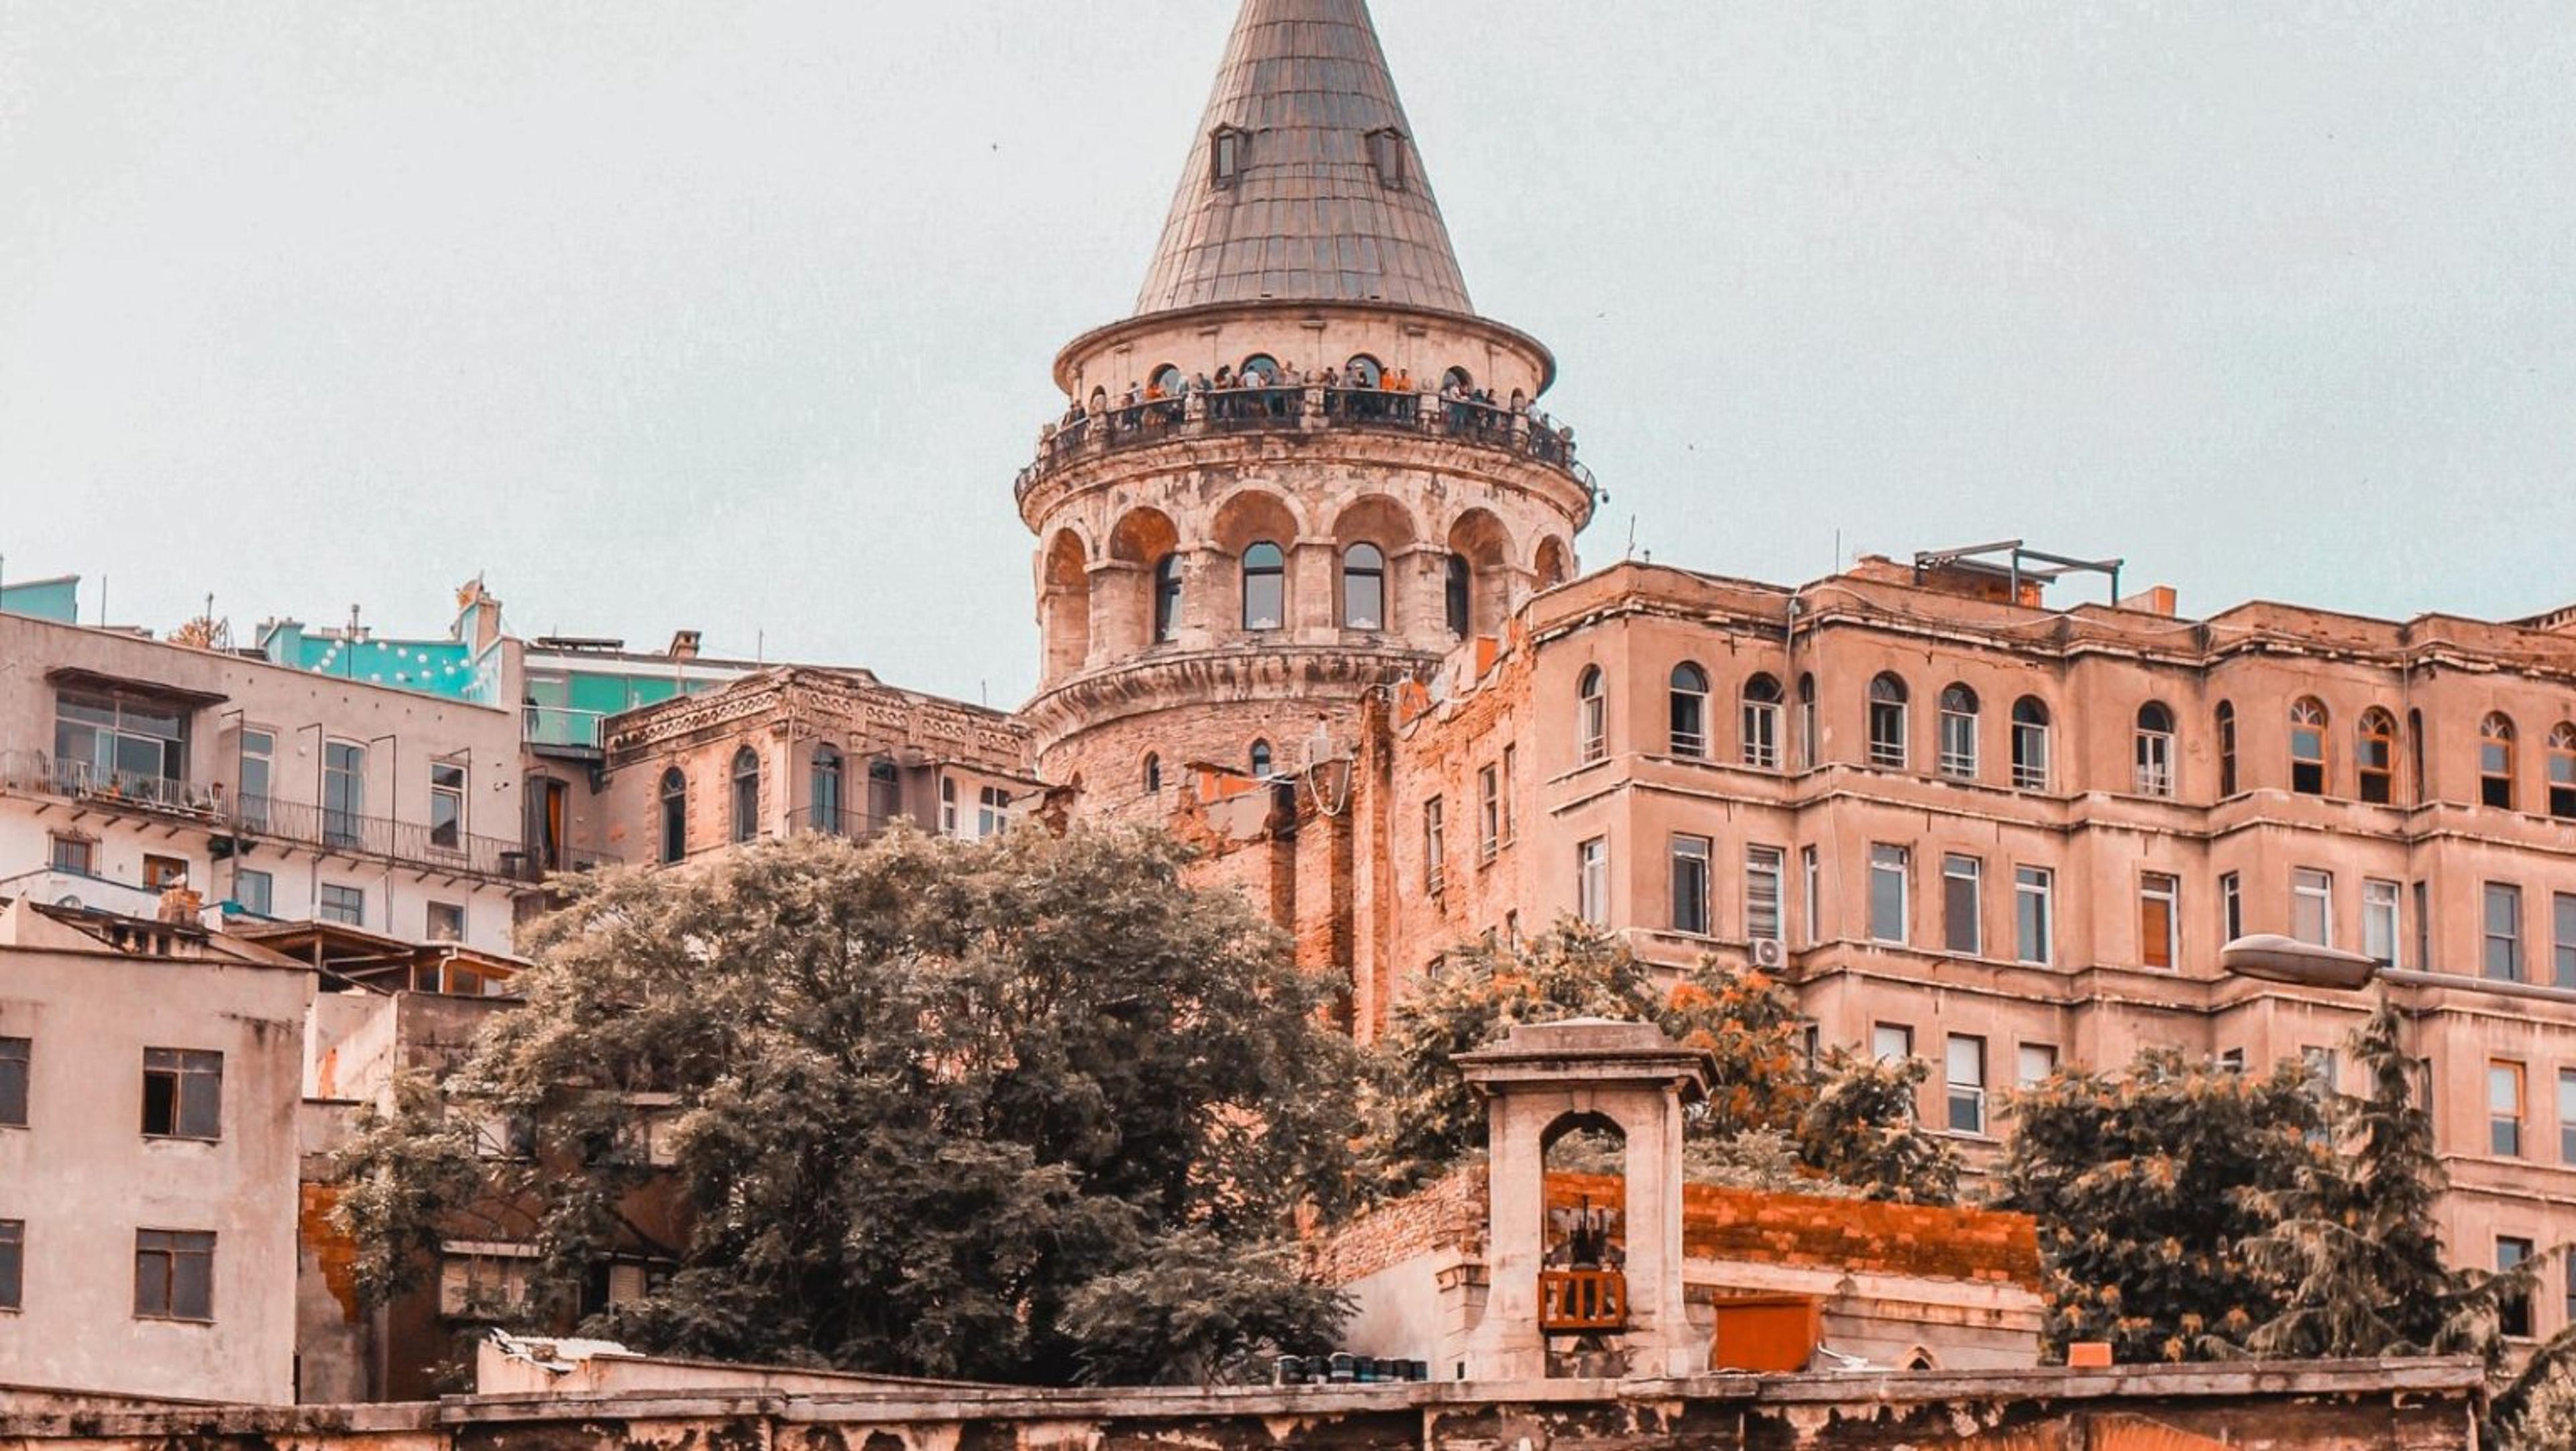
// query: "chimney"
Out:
[2154,600]
[684,645]
[180,906]
[478,620]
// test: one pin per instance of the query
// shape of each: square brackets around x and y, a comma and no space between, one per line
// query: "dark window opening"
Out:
[1228,150]
[183,1094]
[174,1274]
[1386,157]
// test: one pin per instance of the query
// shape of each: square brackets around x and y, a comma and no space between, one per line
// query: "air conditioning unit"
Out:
[1769,953]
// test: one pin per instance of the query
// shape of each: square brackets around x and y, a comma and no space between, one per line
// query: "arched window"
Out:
[2562,770]
[1810,742]
[1958,756]
[2495,761]
[1265,587]
[824,792]
[1760,720]
[2030,744]
[1263,367]
[1459,593]
[1689,710]
[1167,597]
[675,815]
[1261,758]
[1153,773]
[2374,758]
[746,794]
[2155,750]
[1591,717]
[885,793]
[1362,371]
[1887,722]
[1166,381]
[1363,588]
[2226,717]
[2308,746]
[1458,378]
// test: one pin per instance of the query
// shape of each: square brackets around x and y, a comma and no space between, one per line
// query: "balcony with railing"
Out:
[560,727]
[856,825]
[1217,413]
[1582,1301]
[247,820]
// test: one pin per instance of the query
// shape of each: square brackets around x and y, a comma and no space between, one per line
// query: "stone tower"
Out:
[1223,575]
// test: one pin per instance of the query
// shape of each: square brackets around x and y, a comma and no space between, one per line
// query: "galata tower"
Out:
[1305,468]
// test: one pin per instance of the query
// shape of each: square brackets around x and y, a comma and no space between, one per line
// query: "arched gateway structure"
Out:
[1223,570]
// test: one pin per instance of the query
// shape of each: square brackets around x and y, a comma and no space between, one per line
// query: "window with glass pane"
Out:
[1811,893]
[1592,881]
[174,1274]
[2513,1312]
[1689,710]
[1887,890]
[2379,921]
[345,905]
[1961,907]
[2504,1109]
[2312,906]
[746,794]
[1265,587]
[183,1093]
[823,790]
[2495,762]
[1592,716]
[1435,843]
[77,855]
[675,815]
[2030,745]
[2226,719]
[1761,723]
[1810,748]
[446,805]
[2562,770]
[1891,1042]
[2034,1064]
[2503,932]
[993,810]
[254,892]
[444,922]
[258,759]
[129,747]
[17,1056]
[1167,598]
[2375,757]
[1364,588]
[2154,750]
[13,1264]
[2159,897]
[344,791]
[2034,914]
[1458,590]
[1958,754]
[1887,722]
[2562,944]
[2567,1115]
[1690,884]
[1763,867]
[1489,813]
[2308,747]
[1966,1066]
[2231,906]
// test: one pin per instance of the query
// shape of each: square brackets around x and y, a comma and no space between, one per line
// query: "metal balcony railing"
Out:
[1577,1301]
[1299,409]
[559,725]
[856,825]
[437,848]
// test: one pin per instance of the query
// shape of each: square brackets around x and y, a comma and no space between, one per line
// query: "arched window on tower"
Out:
[1458,594]
[1229,148]
[2226,718]
[1153,773]
[1887,722]
[1362,371]
[2495,761]
[2308,746]
[1363,588]
[1761,723]
[1591,717]
[1262,369]
[2155,750]
[2562,770]
[1958,753]
[1167,598]
[1261,759]
[675,815]
[2374,758]
[1689,711]
[2030,744]
[746,794]
[1265,587]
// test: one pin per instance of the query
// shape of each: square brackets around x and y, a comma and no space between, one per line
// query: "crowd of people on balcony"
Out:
[1264,390]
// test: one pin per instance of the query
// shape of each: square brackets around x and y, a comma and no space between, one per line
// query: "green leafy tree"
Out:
[2147,1188]
[1858,1128]
[1199,1311]
[910,1100]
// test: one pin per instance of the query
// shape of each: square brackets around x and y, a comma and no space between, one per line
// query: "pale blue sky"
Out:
[739,316]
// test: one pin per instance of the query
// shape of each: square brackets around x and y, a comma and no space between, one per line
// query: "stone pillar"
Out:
[1542,1081]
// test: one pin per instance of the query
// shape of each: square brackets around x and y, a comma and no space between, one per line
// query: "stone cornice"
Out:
[1214,677]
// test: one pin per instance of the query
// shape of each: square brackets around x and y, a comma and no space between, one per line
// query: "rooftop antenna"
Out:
[1632,538]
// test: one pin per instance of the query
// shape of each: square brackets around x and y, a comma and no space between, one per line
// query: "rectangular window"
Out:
[2030,754]
[257,747]
[1489,814]
[344,792]
[992,811]
[2034,913]
[2232,1060]
[1435,845]
[2503,928]
[2034,1064]
[183,1094]
[161,873]
[1962,930]
[1967,1076]
[2562,945]
[2379,925]
[13,1264]
[1763,866]
[1511,756]
[1592,881]
[1891,1042]
[2504,1109]
[343,904]
[110,743]
[446,922]
[2325,1072]
[2231,906]
[254,892]
[482,1286]
[17,1056]
[1811,889]
[1690,884]
[446,805]
[2159,903]
[1593,725]
[2513,1312]
[77,855]
[2312,906]
[2423,926]
[1762,734]
[174,1274]
[2566,1115]
[1887,890]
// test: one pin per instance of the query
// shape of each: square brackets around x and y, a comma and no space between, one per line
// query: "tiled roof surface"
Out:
[1308,217]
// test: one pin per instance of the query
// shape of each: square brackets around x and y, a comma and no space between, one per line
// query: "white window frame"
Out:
[1957,867]
[1965,1053]
[2035,885]
[1765,881]
[1896,863]
[2383,921]
[1592,880]
[2312,891]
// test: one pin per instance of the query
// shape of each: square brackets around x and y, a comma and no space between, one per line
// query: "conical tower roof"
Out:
[1326,200]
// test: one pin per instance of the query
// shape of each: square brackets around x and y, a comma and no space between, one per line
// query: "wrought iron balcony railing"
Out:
[1208,414]
[257,818]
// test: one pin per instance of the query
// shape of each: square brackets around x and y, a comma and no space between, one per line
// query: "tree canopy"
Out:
[921,1106]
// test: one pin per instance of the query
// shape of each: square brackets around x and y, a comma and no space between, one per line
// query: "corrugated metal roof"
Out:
[1309,216]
